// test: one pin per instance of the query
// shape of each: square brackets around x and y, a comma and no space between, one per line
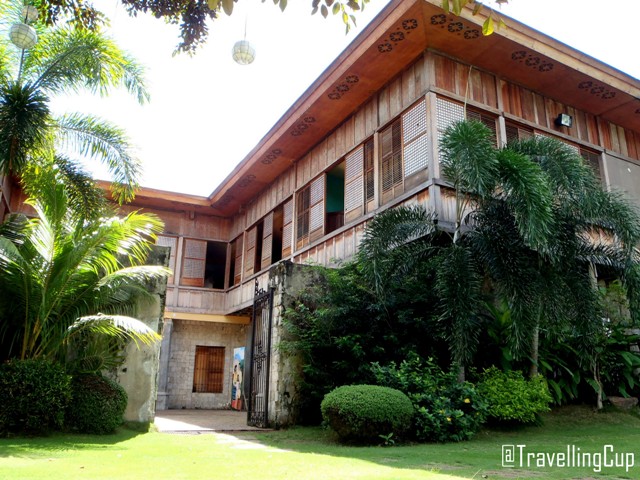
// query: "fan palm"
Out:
[63,60]
[63,277]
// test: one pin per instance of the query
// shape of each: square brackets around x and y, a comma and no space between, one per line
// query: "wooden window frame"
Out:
[208,369]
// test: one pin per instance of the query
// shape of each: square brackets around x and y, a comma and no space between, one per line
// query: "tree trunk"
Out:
[461,374]
[535,344]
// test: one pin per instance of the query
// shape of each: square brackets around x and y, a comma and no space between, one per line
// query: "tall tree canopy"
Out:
[64,60]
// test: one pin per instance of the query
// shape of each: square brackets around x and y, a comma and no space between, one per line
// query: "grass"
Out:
[312,453]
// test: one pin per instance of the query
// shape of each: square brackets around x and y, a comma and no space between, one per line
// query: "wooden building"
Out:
[361,139]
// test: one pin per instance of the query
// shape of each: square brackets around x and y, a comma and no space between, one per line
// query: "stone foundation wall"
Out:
[186,335]
[288,279]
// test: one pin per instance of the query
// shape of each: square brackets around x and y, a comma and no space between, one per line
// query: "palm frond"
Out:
[85,198]
[468,158]
[97,139]
[24,124]
[119,326]
[458,284]
[66,59]
[525,190]
[391,244]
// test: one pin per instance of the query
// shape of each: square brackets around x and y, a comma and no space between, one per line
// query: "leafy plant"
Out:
[35,394]
[446,409]
[358,413]
[97,404]
[512,398]
[63,277]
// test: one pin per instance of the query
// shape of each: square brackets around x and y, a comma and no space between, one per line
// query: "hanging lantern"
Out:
[29,14]
[243,52]
[23,35]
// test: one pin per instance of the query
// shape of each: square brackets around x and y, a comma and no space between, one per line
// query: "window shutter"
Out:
[316,209]
[414,139]
[354,185]
[369,174]
[592,159]
[287,227]
[267,241]
[237,271]
[516,132]
[303,201]
[250,252]
[171,242]
[391,161]
[487,120]
[193,262]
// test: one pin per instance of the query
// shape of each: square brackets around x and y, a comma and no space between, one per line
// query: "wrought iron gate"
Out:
[258,399]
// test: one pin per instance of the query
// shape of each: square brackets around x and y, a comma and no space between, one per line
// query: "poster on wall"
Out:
[236,378]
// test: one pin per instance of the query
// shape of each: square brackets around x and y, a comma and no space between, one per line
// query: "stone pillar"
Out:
[163,369]
[138,375]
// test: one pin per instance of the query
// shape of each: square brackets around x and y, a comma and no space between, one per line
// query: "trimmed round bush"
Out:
[35,394]
[511,398]
[361,413]
[97,404]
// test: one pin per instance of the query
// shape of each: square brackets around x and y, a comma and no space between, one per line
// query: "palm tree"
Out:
[551,284]
[64,60]
[526,217]
[64,278]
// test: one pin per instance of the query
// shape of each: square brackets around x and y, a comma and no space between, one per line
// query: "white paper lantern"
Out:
[29,14]
[243,52]
[23,35]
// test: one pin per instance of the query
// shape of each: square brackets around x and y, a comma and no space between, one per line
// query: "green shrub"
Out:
[361,413]
[97,405]
[35,394]
[446,410]
[512,398]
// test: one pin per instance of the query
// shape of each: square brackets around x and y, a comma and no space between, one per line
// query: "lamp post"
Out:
[23,35]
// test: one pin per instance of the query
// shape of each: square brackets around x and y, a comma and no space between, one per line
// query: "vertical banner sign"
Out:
[236,378]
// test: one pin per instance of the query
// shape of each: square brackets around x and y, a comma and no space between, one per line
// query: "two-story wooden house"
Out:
[363,138]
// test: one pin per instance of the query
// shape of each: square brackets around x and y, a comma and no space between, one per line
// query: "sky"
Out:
[207,112]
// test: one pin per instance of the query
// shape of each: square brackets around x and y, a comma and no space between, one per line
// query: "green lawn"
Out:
[311,453]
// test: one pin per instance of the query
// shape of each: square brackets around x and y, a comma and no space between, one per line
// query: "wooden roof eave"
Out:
[368,37]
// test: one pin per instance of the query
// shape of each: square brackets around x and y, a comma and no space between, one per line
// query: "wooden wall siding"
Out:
[242,296]
[199,301]
[532,107]
[448,206]
[465,81]
[621,140]
[339,247]
[345,244]
[189,224]
[276,193]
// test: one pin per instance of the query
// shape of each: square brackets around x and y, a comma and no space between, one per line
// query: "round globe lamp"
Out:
[22,35]
[243,52]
